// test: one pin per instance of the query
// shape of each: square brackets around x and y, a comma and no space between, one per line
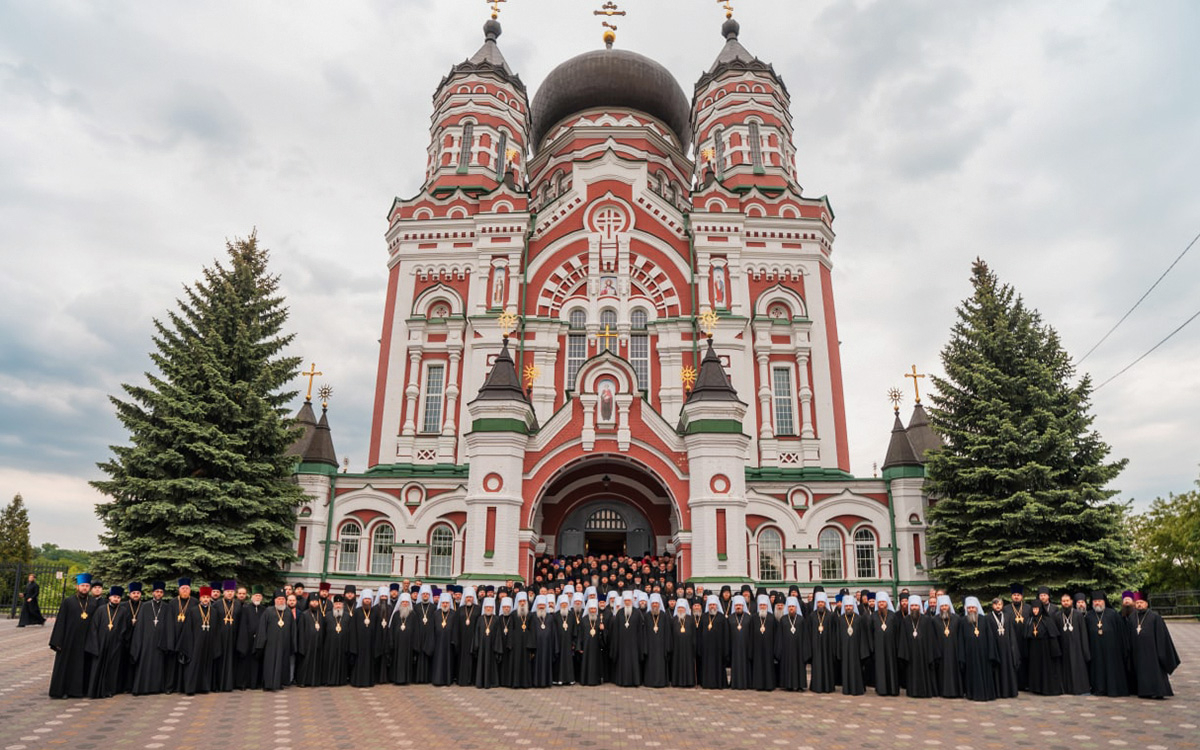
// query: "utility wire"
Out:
[1147,354]
[1135,304]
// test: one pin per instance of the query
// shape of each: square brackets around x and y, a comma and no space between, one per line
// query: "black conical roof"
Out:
[734,56]
[921,434]
[712,384]
[306,419]
[488,59]
[503,382]
[320,448]
[900,451]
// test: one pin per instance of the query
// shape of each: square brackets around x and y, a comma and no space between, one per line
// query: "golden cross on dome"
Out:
[607,336]
[708,321]
[312,373]
[916,386]
[495,6]
[507,322]
[609,9]
[728,6]
[688,376]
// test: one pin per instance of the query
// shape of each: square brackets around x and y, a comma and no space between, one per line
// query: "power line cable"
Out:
[1147,354]
[1140,299]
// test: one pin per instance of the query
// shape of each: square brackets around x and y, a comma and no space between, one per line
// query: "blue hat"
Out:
[83,578]
[214,585]
[116,591]
[394,587]
[135,586]
[158,586]
[229,585]
[185,582]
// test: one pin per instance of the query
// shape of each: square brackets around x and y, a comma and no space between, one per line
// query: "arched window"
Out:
[381,549]
[830,542]
[466,146]
[756,157]
[719,151]
[608,322]
[639,348]
[770,555]
[441,552]
[605,520]
[865,554]
[576,344]
[502,156]
[348,550]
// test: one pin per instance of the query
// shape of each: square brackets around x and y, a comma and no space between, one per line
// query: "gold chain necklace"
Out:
[109,608]
[182,610]
[134,612]
[204,615]
[83,615]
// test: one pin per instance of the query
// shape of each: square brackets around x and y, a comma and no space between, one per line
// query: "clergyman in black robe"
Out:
[658,636]
[465,618]
[590,645]
[227,612]
[31,612]
[1109,646]
[366,640]
[712,650]
[442,669]
[545,628]
[918,650]
[197,646]
[883,635]
[978,653]
[309,634]
[683,646]
[148,632]
[565,632]
[947,672]
[180,612]
[400,632]
[1018,612]
[626,645]
[487,646]
[275,641]
[423,626]
[822,639]
[68,640]
[106,643]
[1153,652]
[853,645]
[999,622]
[741,648]
[248,668]
[335,645]
[1045,655]
[1073,642]
[791,647]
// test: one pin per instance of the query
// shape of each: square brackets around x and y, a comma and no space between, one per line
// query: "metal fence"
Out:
[1176,603]
[52,583]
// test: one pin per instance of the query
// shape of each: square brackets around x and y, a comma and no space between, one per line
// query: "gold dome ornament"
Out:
[708,321]
[609,9]
[895,395]
[688,376]
[508,322]
[532,372]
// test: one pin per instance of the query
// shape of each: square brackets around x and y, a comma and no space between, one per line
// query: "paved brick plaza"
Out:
[603,717]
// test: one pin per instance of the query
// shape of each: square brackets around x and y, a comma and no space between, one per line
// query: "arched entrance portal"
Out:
[605,504]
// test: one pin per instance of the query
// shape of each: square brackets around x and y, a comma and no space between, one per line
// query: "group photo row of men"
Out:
[225,637]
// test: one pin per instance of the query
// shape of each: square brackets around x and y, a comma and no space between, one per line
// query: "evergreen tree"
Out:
[1019,490]
[204,487]
[14,532]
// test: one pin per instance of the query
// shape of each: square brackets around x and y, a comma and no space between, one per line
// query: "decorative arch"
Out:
[437,293]
[780,293]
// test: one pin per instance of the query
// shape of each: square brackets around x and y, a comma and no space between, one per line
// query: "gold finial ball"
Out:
[609,36]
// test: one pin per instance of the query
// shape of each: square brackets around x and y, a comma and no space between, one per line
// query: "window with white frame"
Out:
[756,157]
[576,344]
[435,386]
[441,552]
[348,549]
[639,348]
[785,400]
[466,146]
[381,549]
[770,555]
[608,324]
[865,554]
[830,543]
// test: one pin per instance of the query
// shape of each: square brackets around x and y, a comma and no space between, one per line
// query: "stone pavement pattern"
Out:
[577,717]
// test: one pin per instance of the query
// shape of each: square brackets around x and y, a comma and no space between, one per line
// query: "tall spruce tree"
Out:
[14,532]
[204,486]
[1020,487]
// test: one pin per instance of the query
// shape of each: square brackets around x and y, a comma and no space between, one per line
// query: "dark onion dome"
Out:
[610,78]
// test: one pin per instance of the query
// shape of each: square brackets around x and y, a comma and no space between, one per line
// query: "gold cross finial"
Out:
[728,6]
[708,321]
[607,336]
[609,9]
[895,396]
[688,376]
[507,322]
[916,386]
[312,373]
[532,372]
[495,6]
[325,392]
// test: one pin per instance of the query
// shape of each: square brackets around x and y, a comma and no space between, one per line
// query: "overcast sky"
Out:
[1060,141]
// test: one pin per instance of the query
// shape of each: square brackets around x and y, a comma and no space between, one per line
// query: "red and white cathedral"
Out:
[610,327]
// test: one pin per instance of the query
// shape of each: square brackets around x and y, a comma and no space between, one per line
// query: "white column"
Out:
[411,392]
[451,394]
[805,392]
[766,430]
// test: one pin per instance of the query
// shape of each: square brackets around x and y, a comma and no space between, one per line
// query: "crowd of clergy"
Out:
[229,637]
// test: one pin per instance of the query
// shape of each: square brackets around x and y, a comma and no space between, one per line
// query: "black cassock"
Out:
[366,642]
[712,651]
[566,631]
[741,650]
[1108,642]
[442,669]
[590,644]
[335,649]
[978,656]
[487,647]
[1017,617]
[106,642]
[465,618]
[823,643]
[225,622]
[763,645]
[309,634]
[918,650]
[626,647]
[1076,653]
[383,655]
[68,639]
[400,637]
[1045,656]
[947,675]
[31,612]
[197,647]
[516,671]
[1153,654]
[545,648]
[853,644]
[1008,654]
[179,615]
[657,635]
[883,636]
[683,651]
[147,658]
[275,642]
[791,649]
[248,669]
[423,625]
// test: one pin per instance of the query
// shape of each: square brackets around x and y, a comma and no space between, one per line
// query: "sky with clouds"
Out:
[1057,140]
